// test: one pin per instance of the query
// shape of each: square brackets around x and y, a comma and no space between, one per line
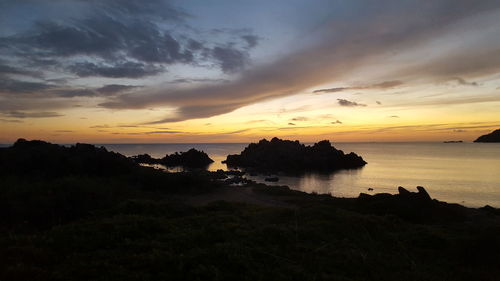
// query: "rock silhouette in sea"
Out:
[145,159]
[292,156]
[191,159]
[491,137]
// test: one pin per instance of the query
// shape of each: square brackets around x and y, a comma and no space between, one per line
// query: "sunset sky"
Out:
[124,71]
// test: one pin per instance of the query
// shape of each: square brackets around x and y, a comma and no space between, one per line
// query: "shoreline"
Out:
[84,213]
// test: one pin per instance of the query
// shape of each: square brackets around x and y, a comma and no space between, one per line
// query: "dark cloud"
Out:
[194,45]
[159,8]
[21,114]
[195,112]
[332,90]
[459,130]
[377,86]
[337,122]
[13,86]
[394,116]
[344,102]
[197,80]
[462,81]
[10,120]
[251,40]
[229,58]
[161,132]
[164,49]
[118,70]
[378,102]
[71,93]
[112,89]
[120,39]
[291,124]
[7,69]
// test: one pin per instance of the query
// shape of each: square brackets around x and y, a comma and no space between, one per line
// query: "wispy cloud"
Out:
[344,102]
[377,86]
[22,114]
[462,81]
[300,118]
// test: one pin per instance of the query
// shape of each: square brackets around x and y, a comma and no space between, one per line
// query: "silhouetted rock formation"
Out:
[491,137]
[49,160]
[192,159]
[413,206]
[291,156]
[146,159]
[459,141]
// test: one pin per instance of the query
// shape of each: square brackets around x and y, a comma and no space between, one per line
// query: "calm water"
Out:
[466,173]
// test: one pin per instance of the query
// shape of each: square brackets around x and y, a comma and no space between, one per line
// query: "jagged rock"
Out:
[146,159]
[414,206]
[403,192]
[423,193]
[189,159]
[291,156]
[491,137]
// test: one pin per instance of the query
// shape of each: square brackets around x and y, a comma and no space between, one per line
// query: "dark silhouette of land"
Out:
[491,137]
[291,156]
[85,213]
[189,159]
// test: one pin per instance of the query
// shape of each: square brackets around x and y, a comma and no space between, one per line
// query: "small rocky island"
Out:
[280,155]
[491,137]
[191,159]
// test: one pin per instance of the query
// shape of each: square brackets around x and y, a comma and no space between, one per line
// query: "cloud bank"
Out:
[126,39]
[343,48]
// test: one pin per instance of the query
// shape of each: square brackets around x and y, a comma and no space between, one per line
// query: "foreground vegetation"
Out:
[136,223]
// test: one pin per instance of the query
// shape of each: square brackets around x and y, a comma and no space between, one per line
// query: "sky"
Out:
[197,71]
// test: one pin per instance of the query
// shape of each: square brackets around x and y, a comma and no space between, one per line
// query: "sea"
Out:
[464,173]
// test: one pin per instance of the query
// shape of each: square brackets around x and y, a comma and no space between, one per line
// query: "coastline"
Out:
[84,213]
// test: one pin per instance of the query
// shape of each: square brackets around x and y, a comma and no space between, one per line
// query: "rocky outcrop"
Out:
[414,206]
[145,159]
[292,156]
[45,159]
[190,159]
[491,137]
